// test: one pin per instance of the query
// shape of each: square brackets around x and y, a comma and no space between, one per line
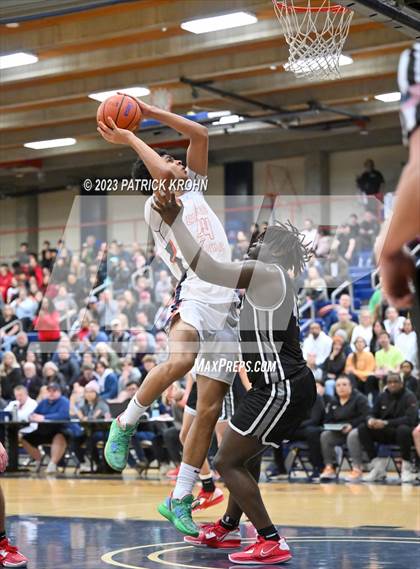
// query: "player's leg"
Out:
[9,555]
[178,507]
[183,346]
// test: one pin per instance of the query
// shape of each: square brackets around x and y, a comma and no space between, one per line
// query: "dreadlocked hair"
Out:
[287,245]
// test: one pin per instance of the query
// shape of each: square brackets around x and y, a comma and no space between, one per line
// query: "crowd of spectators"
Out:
[80,331]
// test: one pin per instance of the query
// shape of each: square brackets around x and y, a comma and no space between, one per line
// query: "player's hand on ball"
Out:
[397,271]
[146,110]
[168,207]
[114,135]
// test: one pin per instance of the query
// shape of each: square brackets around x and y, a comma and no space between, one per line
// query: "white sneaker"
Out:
[378,471]
[407,475]
[85,467]
[51,468]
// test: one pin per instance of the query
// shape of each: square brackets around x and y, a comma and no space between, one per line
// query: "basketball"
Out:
[123,109]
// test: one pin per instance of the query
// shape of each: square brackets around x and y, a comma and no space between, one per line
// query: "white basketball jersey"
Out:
[207,230]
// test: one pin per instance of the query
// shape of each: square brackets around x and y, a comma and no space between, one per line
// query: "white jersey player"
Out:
[203,325]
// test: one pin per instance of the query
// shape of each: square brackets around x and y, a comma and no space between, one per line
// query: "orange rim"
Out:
[302,9]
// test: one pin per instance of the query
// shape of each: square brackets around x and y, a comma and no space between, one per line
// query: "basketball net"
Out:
[315,36]
[161,98]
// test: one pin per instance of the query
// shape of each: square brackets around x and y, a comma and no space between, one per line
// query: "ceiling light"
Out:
[216,23]
[218,114]
[231,119]
[55,143]
[345,60]
[17,59]
[133,91]
[12,25]
[273,67]
[389,97]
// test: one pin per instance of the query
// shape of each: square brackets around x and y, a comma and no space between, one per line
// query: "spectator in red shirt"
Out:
[34,269]
[5,280]
[47,322]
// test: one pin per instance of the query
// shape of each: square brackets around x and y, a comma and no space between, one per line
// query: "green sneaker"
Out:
[179,513]
[117,445]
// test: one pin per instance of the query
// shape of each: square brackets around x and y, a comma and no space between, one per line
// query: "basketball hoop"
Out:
[161,98]
[315,36]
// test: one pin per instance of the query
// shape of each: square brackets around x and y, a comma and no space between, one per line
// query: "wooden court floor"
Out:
[95,524]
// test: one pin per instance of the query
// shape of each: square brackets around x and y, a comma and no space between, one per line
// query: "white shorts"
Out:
[217,326]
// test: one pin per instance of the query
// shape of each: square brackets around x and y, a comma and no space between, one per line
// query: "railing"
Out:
[308,305]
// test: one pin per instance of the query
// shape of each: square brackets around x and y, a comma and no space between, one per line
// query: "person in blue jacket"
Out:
[55,407]
[108,380]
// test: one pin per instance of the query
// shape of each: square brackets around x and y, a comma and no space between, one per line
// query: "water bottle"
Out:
[15,412]
[155,410]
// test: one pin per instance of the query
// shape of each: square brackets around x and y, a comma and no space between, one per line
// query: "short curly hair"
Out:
[139,170]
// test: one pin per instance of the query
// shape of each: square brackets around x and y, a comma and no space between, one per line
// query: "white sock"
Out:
[132,414]
[185,481]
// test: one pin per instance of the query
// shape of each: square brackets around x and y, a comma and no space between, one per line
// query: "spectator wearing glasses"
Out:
[391,422]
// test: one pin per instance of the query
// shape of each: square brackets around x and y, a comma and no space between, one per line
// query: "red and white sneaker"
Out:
[263,552]
[208,499]
[215,536]
[173,474]
[10,555]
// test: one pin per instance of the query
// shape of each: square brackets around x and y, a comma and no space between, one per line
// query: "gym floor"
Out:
[71,523]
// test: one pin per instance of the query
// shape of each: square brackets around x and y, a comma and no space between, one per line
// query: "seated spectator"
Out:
[161,352]
[344,323]
[163,312]
[31,380]
[354,225]
[368,231]
[363,329]
[24,406]
[108,381]
[107,309]
[95,335]
[129,373]
[121,276]
[127,392]
[406,341]
[147,364]
[51,374]
[323,247]
[334,365]
[310,233]
[119,338]
[25,307]
[377,329]
[314,285]
[317,342]
[329,312]
[390,422]
[7,337]
[241,246]
[93,408]
[336,270]
[104,351]
[360,367]
[65,304]
[312,365]
[344,243]
[142,321]
[5,280]
[47,323]
[388,358]
[87,374]
[393,323]
[410,382]
[163,287]
[349,409]
[10,375]
[310,429]
[54,407]
[20,347]
[68,366]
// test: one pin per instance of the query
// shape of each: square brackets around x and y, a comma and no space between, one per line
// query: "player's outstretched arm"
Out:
[267,287]
[197,153]
[396,266]
[156,164]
